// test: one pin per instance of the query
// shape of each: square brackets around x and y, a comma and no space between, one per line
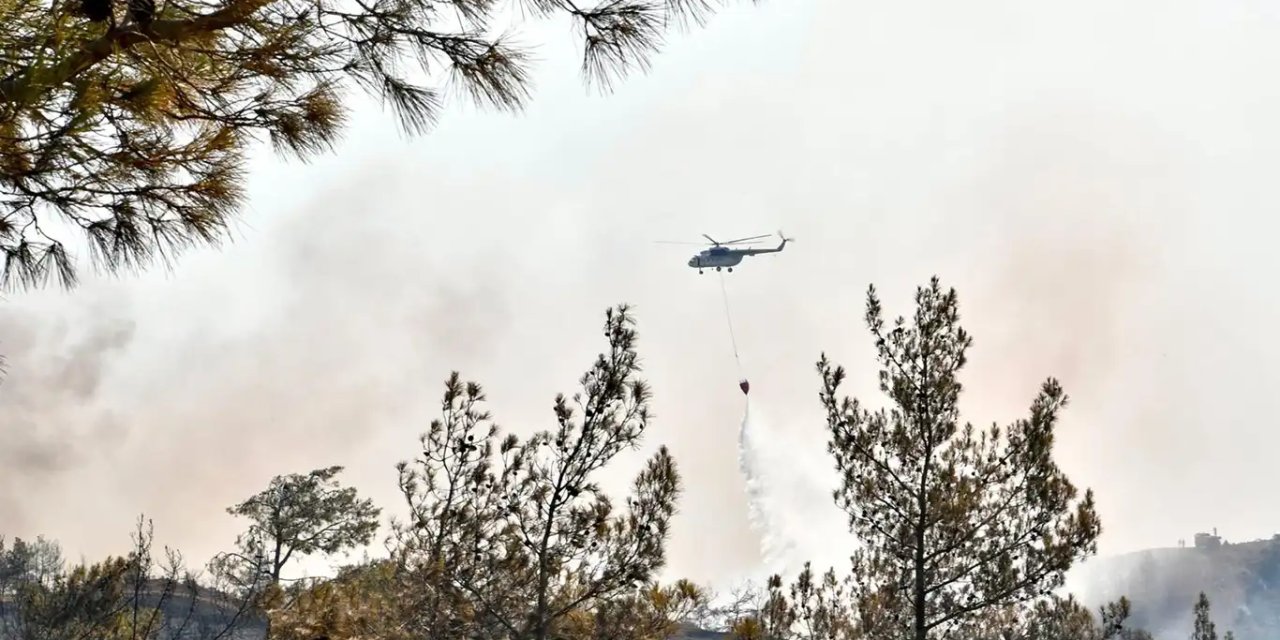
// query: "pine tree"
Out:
[295,516]
[954,520]
[777,617]
[131,121]
[515,539]
[1115,623]
[1202,625]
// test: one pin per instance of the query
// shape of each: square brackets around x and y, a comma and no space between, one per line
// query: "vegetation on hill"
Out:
[130,597]
[966,532]
[1241,578]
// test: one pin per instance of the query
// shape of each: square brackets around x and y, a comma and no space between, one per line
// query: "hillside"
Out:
[185,618]
[692,633]
[210,613]
[1242,581]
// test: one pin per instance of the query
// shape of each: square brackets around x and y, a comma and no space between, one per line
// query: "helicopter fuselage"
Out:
[722,257]
[713,259]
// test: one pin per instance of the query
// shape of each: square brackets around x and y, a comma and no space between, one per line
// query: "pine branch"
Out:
[137,131]
[22,87]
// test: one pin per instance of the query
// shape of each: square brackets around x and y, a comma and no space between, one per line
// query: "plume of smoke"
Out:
[789,495]
[52,420]
[298,350]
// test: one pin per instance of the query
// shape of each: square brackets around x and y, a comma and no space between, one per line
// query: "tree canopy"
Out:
[130,121]
[516,539]
[954,523]
[955,520]
[129,597]
[295,516]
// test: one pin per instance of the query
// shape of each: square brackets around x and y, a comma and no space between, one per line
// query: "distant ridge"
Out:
[210,613]
[1242,581]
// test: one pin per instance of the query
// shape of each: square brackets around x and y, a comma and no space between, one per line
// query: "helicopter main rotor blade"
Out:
[696,244]
[713,240]
[746,239]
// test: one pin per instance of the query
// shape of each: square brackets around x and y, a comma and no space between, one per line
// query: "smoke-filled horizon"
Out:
[1092,178]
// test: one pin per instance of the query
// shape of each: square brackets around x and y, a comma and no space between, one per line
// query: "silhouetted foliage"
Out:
[516,540]
[297,515]
[362,601]
[22,563]
[953,521]
[131,121]
[1204,629]
[1203,626]
[777,618]
[120,598]
[654,612]
[722,612]
[1056,618]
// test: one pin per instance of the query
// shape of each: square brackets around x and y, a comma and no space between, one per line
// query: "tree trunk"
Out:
[918,593]
[919,596]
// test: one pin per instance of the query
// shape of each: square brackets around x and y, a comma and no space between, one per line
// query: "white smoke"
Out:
[789,491]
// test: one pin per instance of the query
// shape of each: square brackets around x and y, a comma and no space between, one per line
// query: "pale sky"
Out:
[1091,176]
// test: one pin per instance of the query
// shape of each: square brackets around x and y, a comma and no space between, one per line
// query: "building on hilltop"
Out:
[1208,540]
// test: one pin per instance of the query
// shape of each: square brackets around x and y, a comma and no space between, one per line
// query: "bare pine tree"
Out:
[513,540]
[778,618]
[129,121]
[954,520]
[721,611]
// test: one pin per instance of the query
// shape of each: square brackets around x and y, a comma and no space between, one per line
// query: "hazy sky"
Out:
[1091,176]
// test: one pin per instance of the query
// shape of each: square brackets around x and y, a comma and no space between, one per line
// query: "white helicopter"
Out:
[721,256]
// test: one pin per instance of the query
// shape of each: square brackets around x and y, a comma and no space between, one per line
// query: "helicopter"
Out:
[723,256]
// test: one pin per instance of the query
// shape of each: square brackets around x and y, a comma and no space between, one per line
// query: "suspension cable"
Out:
[729,319]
